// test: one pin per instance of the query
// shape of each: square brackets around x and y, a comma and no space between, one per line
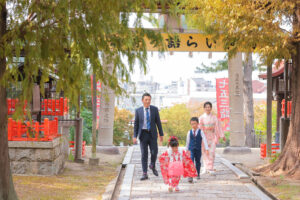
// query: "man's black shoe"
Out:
[155,172]
[144,177]
[198,177]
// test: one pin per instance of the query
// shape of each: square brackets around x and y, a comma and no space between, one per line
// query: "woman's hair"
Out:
[207,103]
[173,141]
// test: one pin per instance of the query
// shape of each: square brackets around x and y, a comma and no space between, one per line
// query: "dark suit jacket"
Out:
[154,121]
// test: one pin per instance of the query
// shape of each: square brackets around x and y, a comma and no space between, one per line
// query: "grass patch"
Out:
[288,192]
[78,181]
[282,188]
[64,187]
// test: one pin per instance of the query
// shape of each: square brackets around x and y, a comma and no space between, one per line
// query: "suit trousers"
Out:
[196,157]
[146,139]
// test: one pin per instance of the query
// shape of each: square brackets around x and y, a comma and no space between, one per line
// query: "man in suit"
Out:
[146,122]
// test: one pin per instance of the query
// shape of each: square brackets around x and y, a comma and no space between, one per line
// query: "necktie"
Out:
[194,133]
[148,118]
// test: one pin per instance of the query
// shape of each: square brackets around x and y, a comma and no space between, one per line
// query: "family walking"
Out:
[201,141]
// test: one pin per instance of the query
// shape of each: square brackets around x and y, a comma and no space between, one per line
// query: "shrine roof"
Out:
[277,70]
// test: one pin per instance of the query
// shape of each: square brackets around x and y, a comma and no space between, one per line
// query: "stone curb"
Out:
[127,183]
[110,189]
[258,192]
[262,188]
[255,181]
[128,156]
[240,174]
[258,189]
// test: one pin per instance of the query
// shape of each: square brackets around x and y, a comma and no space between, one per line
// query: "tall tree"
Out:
[57,37]
[178,121]
[257,26]
[122,127]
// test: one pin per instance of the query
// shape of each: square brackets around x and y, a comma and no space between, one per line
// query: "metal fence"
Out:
[259,137]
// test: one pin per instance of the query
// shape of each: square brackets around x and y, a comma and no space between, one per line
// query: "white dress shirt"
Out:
[203,139]
[145,118]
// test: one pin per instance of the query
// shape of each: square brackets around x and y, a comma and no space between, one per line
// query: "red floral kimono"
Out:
[189,169]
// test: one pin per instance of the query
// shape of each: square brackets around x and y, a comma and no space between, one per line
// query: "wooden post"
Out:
[78,137]
[269,110]
[285,121]
[46,128]
[37,130]
[286,88]
[78,141]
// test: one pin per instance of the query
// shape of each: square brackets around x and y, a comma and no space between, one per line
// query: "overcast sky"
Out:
[180,65]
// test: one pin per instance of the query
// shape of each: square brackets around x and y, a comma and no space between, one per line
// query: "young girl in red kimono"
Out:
[175,163]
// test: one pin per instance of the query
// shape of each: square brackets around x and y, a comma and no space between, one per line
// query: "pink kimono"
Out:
[172,173]
[213,131]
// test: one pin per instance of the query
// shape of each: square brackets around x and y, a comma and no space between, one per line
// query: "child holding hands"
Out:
[194,143]
[174,164]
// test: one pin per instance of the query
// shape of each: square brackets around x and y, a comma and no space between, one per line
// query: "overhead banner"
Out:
[188,42]
[223,102]
[98,99]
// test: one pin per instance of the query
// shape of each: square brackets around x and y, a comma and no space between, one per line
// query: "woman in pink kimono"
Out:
[213,131]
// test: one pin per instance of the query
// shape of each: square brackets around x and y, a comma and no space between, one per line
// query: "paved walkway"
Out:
[224,185]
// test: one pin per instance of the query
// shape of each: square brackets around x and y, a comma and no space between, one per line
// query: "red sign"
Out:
[98,98]
[223,102]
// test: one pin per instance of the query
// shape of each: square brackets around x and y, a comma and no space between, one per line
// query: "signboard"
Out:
[188,42]
[97,99]
[223,102]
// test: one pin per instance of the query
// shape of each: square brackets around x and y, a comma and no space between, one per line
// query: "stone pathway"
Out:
[224,185]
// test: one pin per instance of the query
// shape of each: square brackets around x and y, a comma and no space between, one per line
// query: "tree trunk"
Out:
[7,191]
[289,161]
[248,101]
[94,133]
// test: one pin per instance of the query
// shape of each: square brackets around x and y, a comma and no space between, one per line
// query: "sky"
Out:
[179,65]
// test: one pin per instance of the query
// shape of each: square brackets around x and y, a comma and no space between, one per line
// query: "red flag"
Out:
[98,98]
[223,102]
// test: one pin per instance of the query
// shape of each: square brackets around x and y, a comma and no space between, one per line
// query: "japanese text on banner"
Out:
[223,102]
[98,99]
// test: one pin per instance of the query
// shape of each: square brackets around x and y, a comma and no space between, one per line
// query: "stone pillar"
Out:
[106,116]
[236,102]
[65,141]
[106,119]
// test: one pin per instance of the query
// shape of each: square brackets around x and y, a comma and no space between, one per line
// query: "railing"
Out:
[12,104]
[72,147]
[32,131]
[259,138]
[55,107]
[289,108]
[263,150]
[49,107]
